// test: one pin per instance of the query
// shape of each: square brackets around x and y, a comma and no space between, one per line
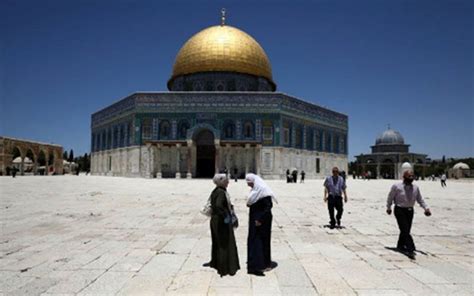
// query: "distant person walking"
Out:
[443,180]
[260,226]
[334,188]
[288,176]
[404,195]
[225,258]
[235,174]
[14,171]
[302,176]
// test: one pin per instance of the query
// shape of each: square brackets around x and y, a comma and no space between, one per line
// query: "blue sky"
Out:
[407,63]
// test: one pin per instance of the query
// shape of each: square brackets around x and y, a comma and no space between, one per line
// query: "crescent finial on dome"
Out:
[222,16]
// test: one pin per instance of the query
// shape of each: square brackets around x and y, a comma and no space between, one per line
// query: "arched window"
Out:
[298,137]
[248,130]
[97,142]
[121,136]
[229,129]
[267,130]
[317,142]
[342,145]
[109,138]
[286,133]
[129,134]
[165,130]
[220,86]
[328,142]
[336,144]
[309,138]
[104,141]
[116,137]
[183,127]
[147,129]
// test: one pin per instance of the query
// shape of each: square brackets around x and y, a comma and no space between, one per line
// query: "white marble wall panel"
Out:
[274,161]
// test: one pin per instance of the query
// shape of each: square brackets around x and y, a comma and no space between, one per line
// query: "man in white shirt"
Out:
[404,195]
[443,180]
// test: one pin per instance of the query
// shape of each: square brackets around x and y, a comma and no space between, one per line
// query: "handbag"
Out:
[207,209]
[235,220]
[232,219]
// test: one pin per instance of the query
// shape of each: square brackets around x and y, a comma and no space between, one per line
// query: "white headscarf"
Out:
[219,179]
[260,189]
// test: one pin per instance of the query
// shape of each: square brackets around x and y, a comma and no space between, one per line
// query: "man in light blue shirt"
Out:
[334,188]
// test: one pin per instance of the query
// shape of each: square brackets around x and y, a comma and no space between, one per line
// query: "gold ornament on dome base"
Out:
[222,48]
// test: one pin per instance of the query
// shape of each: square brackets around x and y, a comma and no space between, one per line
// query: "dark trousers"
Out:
[404,219]
[335,202]
[443,183]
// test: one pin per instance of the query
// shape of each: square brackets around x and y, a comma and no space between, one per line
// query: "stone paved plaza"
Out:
[89,235]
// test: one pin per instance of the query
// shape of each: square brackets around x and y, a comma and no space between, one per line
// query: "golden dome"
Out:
[222,48]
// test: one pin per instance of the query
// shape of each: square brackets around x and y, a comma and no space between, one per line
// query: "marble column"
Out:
[35,166]
[378,171]
[148,162]
[178,156]
[227,157]
[258,158]
[217,164]
[189,159]
[158,161]
[46,166]
[246,158]
[22,166]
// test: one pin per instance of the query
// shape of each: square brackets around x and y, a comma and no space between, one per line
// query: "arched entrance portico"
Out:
[205,154]
[387,169]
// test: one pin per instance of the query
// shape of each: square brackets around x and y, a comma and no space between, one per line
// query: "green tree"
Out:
[71,156]
[87,162]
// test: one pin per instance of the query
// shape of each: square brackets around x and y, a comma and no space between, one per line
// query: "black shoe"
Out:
[338,223]
[332,226]
[411,255]
[256,272]
[207,264]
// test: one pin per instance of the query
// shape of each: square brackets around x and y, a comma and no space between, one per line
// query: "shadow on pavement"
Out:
[408,254]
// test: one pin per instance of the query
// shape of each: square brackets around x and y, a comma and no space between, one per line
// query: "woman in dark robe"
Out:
[225,258]
[260,226]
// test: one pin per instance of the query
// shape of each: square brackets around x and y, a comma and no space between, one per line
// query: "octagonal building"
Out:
[222,112]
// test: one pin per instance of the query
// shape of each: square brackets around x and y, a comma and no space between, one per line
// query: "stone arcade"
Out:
[221,112]
[45,158]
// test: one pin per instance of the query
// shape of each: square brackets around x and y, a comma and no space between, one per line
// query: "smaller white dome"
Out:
[18,160]
[390,137]
[406,166]
[461,166]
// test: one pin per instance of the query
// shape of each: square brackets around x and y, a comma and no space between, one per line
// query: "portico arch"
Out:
[387,169]
[205,153]
[32,167]
[194,131]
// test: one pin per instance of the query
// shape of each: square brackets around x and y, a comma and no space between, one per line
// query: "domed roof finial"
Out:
[222,16]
